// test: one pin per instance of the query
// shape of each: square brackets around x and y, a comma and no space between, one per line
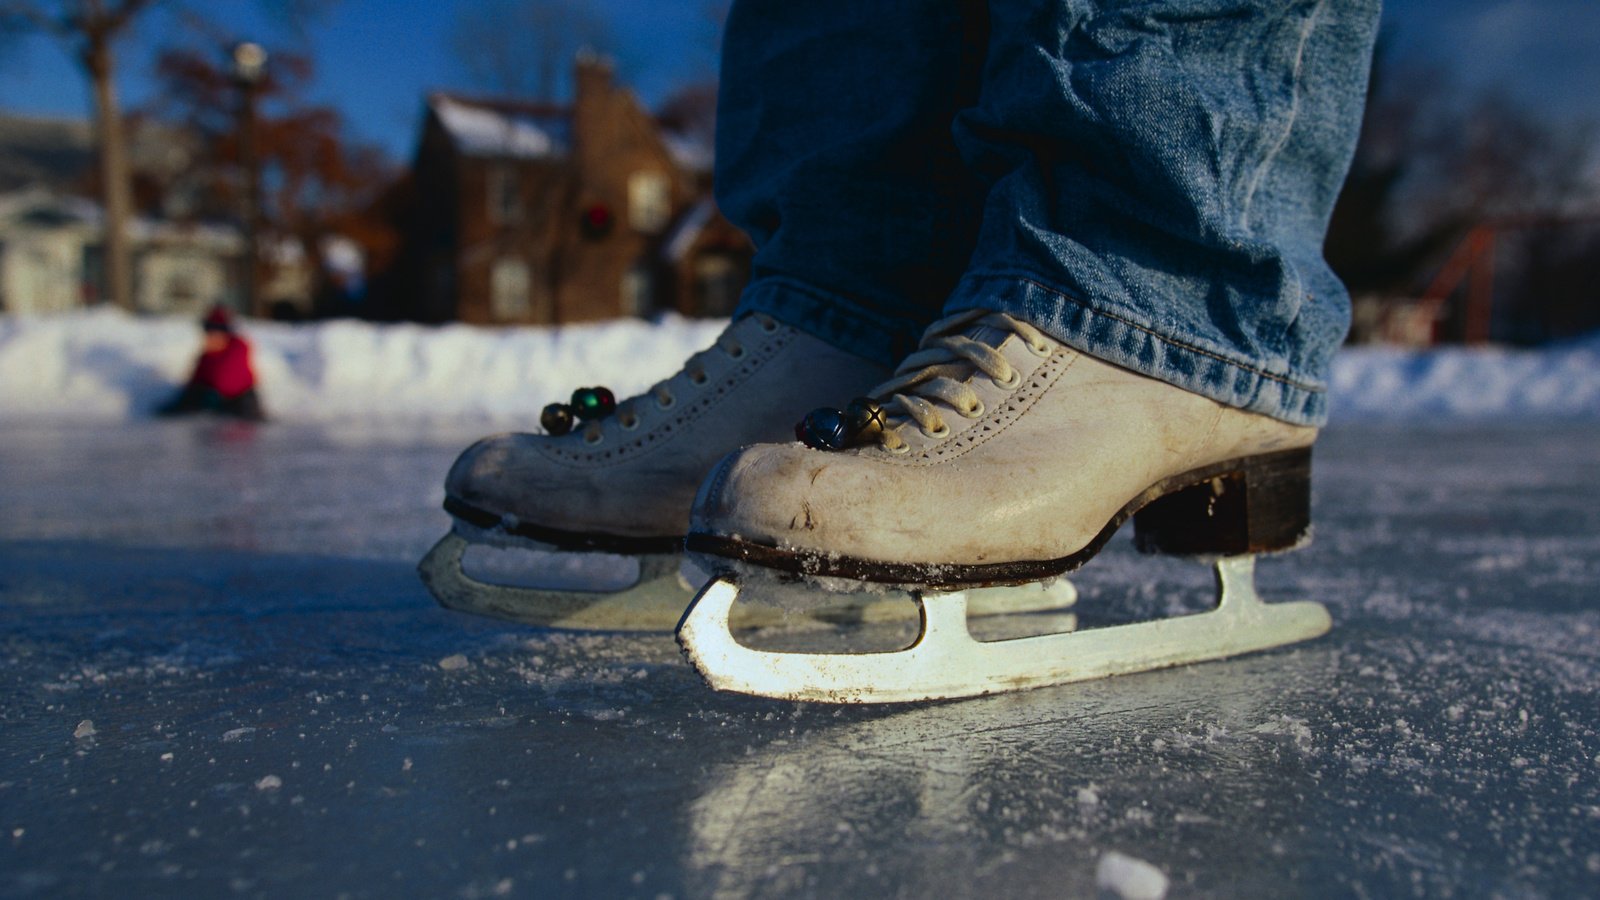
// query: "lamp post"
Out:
[249,68]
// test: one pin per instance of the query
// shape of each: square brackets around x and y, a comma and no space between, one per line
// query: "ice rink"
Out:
[222,676]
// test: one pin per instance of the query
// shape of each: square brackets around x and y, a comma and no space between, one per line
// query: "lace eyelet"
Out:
[1009,384]
[667,403]
[977,410]
[593,440]
[629,424]
[943,431]
[698,380]
[736,353]
[769,326]
[1042,351]
[900,450]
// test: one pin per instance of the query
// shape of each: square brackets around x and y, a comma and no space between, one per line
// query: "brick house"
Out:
[543,214]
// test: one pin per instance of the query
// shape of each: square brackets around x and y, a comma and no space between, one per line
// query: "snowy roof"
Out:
[688,152]
[40,208]
[481,130]
[682,237]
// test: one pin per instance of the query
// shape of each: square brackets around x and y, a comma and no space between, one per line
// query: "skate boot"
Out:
[997,455]
[611,485]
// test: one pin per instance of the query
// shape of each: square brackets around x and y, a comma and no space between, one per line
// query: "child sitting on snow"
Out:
[223,381]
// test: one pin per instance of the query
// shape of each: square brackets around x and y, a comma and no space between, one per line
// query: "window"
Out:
[718,279]
[649,201]
[505,195]
[638,291]
[509,290]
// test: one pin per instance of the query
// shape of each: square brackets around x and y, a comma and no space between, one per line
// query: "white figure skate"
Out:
[621,483]
[1004,457]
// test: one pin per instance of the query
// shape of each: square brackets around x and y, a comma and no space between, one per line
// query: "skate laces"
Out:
[694,371]
[941,369]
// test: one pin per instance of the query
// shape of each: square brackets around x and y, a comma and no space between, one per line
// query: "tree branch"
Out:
[31,15]
[119,15]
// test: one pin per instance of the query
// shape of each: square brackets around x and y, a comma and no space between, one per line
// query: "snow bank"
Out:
[104,364]
[108,365]
[1459,383]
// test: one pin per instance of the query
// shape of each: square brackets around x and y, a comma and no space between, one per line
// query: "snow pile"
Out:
[1557,381]
[104,364]
[108,365]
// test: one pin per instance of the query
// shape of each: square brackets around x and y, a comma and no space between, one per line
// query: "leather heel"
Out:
[1259,504]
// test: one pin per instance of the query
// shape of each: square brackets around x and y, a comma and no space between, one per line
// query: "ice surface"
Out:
[230,604]
[219,673]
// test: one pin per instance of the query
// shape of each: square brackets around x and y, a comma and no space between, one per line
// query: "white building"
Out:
[52,258]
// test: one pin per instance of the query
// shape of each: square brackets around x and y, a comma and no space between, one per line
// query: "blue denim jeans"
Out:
[1149,182]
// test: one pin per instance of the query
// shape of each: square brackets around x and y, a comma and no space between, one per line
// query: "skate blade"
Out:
[652,603]
[900,606]
[945,662]
[655,602]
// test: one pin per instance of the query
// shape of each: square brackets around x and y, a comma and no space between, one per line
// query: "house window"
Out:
[509,290]
[638,292]
[92,277]
[505,195]
[649,201]
[718,279]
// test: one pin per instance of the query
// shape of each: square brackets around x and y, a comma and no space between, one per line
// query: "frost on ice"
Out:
[1122,876]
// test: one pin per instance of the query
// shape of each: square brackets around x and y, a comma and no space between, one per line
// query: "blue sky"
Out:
[377,58]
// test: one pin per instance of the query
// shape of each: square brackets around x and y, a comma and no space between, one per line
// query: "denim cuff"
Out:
[832,317]
[1141,345]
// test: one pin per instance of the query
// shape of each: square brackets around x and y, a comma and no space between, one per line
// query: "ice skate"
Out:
[619,479]
[996,456]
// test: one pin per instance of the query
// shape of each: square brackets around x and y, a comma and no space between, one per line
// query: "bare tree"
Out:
[522,47]
[1442,175]
[691,108]
[1435,160]
[91,30]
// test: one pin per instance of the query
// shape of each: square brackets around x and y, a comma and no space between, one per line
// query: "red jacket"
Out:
[226,371]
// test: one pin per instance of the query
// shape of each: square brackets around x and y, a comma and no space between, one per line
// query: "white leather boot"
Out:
[623,483]
[1007,457]
[997,455]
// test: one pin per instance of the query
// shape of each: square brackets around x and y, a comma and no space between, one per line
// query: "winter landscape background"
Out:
[222,676]
[107,366]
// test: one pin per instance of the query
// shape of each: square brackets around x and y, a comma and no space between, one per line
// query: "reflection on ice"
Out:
[1071,768]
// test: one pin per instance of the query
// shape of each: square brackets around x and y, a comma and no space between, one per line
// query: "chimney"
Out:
[593,75]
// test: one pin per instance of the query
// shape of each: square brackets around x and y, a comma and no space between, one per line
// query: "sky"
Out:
[377,59]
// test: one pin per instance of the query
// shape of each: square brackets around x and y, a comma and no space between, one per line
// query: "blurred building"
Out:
[43,152]
[52,258]
[543,214]
[186,259]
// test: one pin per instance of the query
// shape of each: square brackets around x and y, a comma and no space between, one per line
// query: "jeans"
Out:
[1148,182]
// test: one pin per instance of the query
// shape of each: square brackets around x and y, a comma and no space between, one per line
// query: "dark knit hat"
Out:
[218,319]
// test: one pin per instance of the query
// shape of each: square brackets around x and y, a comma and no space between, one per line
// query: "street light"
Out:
[249,62]
[249,70]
